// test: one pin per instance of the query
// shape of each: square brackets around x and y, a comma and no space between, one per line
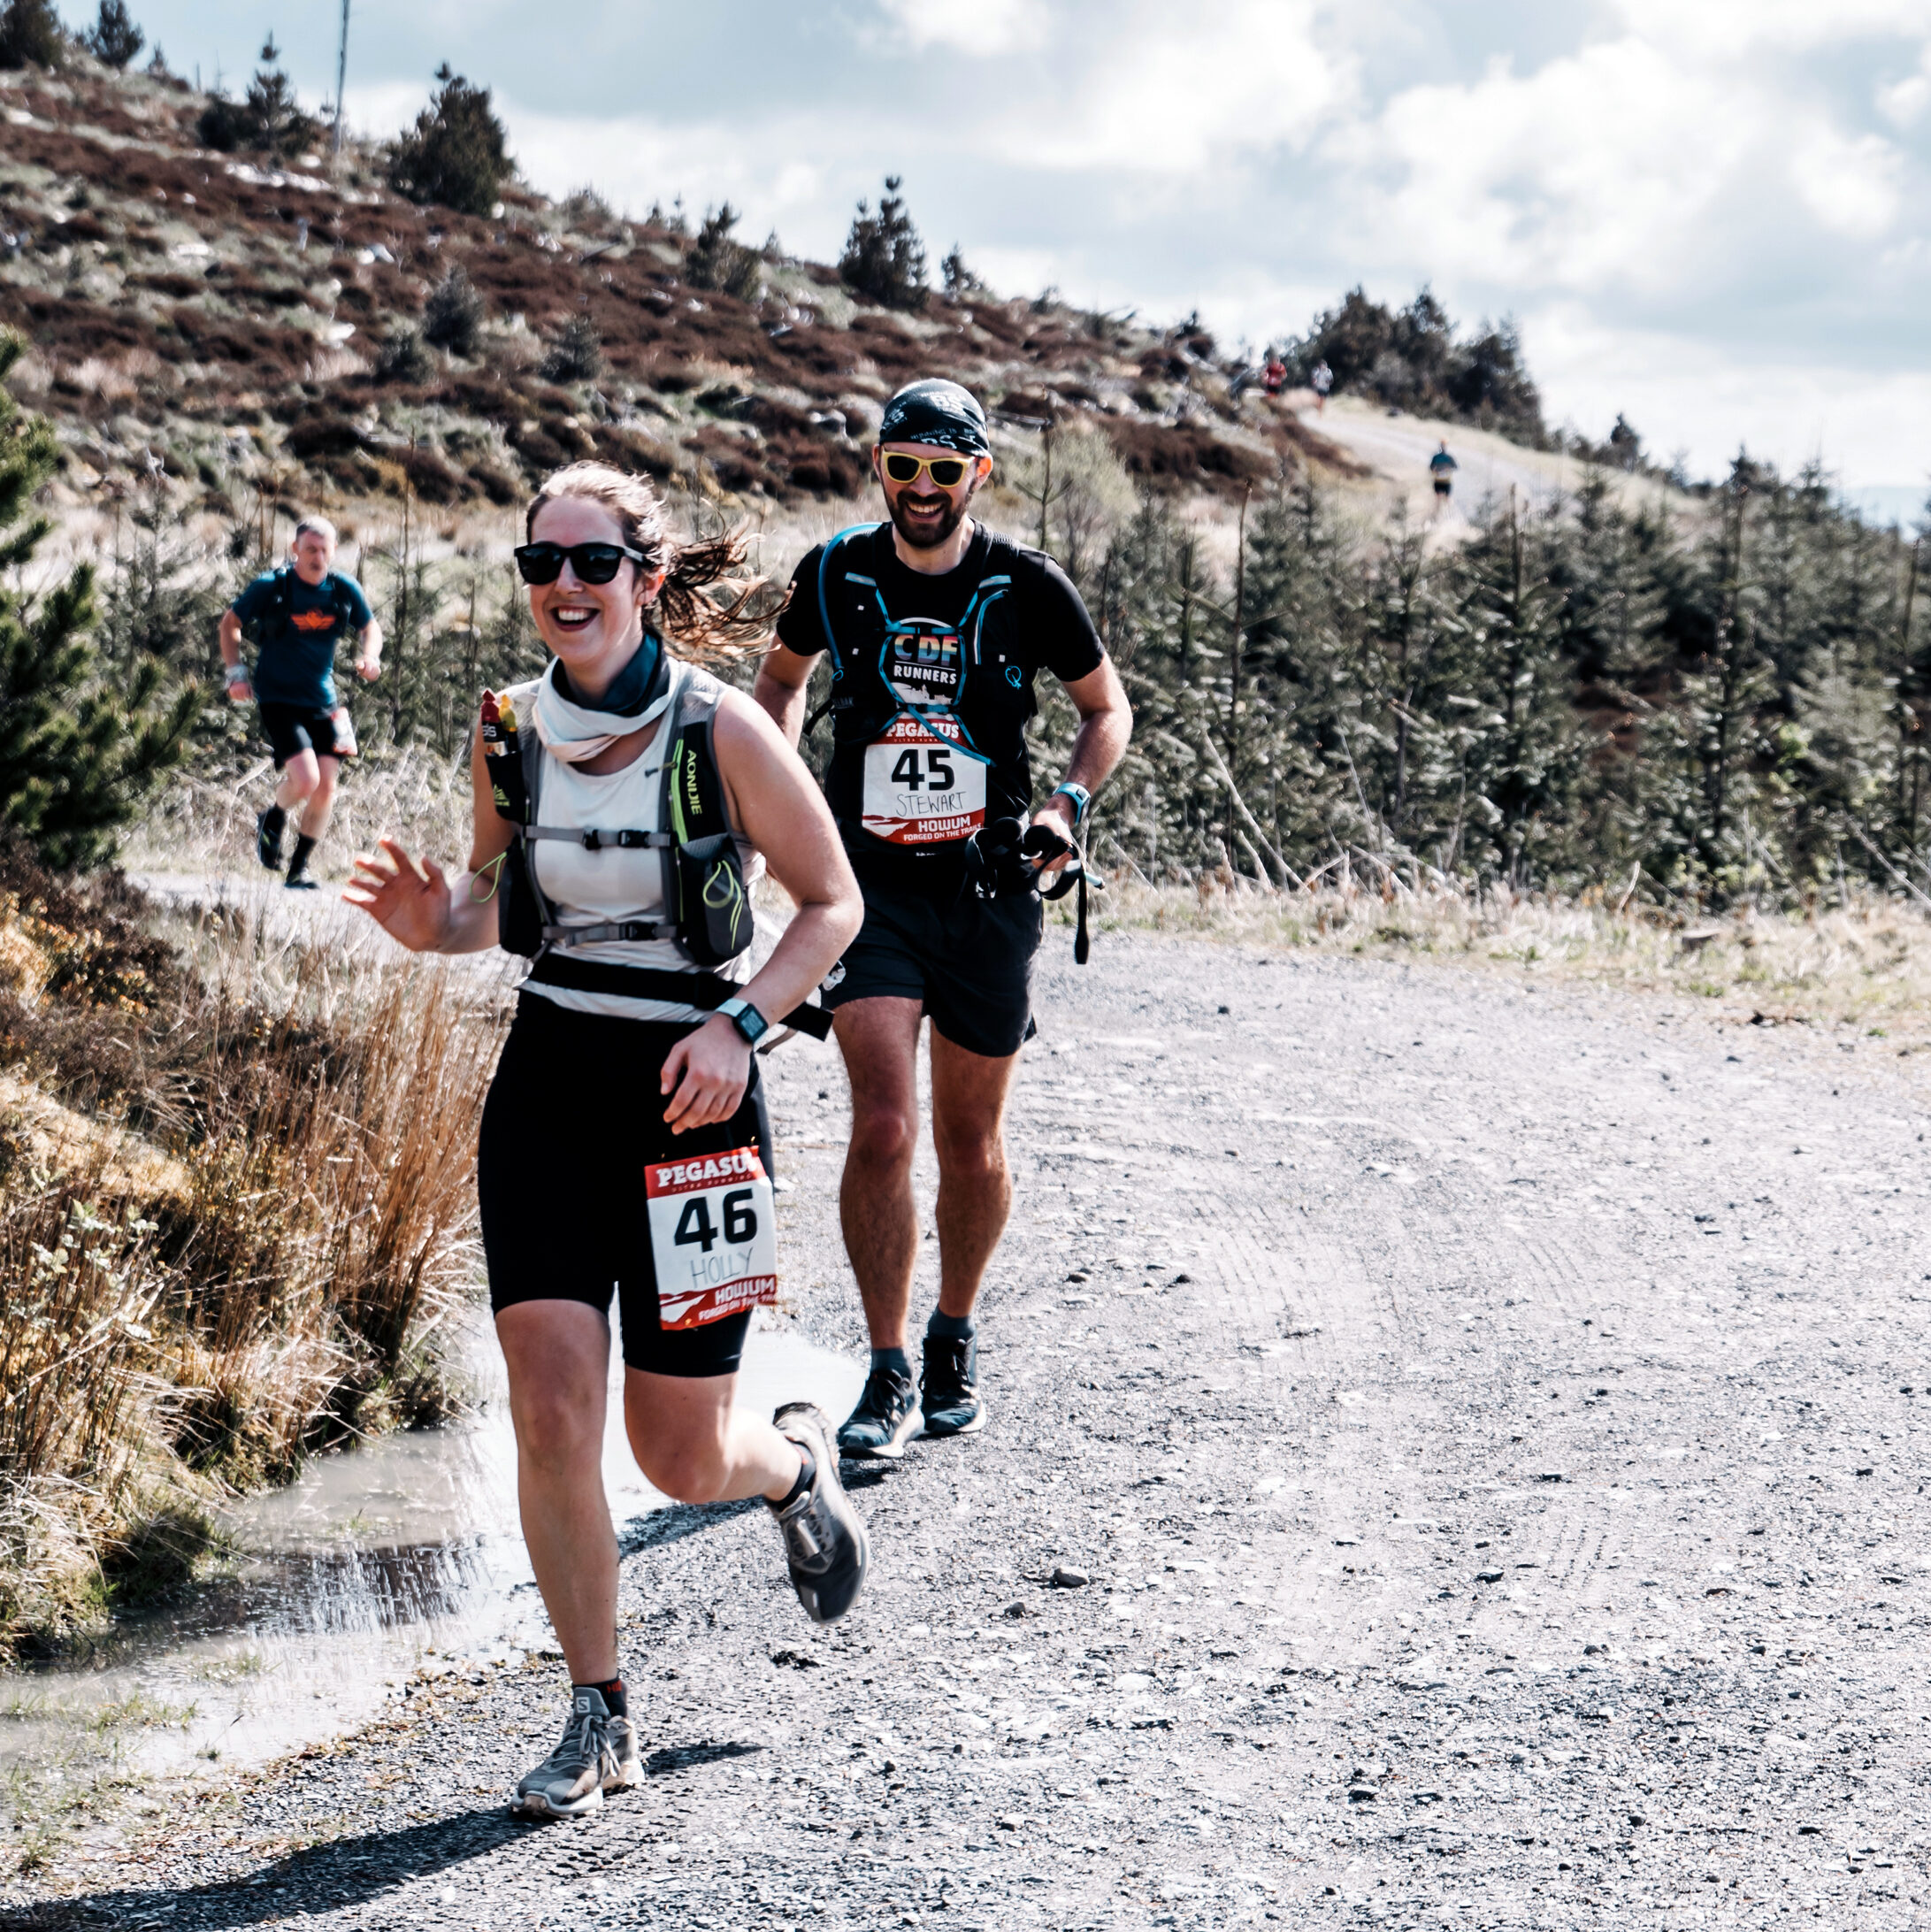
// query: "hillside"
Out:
[236,325]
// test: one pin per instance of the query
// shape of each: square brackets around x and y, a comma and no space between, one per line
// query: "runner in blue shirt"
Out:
[1442,467]
[298,614]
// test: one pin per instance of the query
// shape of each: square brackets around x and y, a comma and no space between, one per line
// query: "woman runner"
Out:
[609,1076]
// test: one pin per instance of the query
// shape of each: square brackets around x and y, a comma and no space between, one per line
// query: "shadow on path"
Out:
[345,1872]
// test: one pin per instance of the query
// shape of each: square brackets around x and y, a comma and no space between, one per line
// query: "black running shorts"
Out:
[1443,485]
[967,960]
[292,729]
[572,1117]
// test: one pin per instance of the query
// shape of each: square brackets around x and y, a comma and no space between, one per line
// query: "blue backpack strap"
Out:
[825,609]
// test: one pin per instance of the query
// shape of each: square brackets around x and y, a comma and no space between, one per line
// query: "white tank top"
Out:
[614,882]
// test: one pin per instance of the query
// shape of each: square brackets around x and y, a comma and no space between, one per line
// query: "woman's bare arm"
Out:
[776,804]
[417,904]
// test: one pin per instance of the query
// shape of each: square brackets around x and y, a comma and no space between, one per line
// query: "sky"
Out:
[1709,215]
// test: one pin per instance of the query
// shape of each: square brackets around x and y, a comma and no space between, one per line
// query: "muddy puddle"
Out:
[380,1562]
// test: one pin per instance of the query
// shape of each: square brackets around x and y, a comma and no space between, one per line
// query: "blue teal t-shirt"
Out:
[294,660]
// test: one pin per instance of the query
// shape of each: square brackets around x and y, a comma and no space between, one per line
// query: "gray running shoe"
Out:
[596,1753]
[824,1541]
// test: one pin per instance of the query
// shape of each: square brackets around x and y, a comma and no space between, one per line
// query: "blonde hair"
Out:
[697,624]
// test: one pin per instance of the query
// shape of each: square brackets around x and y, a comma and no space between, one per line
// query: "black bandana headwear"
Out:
[938,412]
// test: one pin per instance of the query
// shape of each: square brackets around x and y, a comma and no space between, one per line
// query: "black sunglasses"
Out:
[594,562]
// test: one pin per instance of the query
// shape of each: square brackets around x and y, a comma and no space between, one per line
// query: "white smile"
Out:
[573,616]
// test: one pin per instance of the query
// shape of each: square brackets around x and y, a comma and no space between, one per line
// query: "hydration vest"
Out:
[710,918]
[281,599]
[919,668]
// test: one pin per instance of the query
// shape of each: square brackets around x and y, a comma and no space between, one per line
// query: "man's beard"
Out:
[927,536]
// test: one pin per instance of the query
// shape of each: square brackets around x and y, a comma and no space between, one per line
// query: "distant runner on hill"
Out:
[1274,375]
[1320,380]
[298,613]
[1442,467]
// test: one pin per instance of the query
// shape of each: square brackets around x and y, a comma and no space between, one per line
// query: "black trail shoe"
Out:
[268,827]
[950,1386]
[883,1422]
[301,883]
[824,1541]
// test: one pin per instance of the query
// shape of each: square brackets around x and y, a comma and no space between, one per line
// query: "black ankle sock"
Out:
[299,864]
[951,1328]
[612,1693]
[273,820]
[893,1359]
[805,1474]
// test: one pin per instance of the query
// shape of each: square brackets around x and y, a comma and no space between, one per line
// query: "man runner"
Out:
[1442,467]
[936,629]
[298,613]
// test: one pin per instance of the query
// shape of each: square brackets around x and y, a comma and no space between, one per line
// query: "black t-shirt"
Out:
[932,682]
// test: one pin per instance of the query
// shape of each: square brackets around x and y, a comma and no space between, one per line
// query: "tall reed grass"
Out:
[238,1242]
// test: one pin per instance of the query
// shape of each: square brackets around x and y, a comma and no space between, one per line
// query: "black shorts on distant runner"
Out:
[967,960]
[572,1117]
[1443,485]
[293,729]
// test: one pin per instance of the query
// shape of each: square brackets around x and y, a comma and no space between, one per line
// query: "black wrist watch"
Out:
[750,1023]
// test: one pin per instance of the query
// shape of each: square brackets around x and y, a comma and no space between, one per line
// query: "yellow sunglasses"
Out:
[948,472]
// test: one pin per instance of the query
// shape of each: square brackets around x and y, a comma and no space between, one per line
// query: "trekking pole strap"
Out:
[704,991]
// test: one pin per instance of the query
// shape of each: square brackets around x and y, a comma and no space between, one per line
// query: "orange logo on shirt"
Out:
[313,620]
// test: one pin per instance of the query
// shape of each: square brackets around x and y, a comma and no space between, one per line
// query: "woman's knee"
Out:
[553,1429]
[688,1469]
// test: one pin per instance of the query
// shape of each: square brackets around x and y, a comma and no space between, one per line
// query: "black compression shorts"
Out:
[572,1117]
[967,960]
[292,729]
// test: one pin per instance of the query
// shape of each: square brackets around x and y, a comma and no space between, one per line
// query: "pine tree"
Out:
[719,261]
[114,38]
[576,355]
[453,313]
[78,748]
[457,154]
[31,34]
[884,257]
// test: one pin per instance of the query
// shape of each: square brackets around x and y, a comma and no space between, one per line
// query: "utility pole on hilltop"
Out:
[341,78]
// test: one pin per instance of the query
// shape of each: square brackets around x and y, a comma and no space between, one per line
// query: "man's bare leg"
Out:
[879,1039]
[969,1093]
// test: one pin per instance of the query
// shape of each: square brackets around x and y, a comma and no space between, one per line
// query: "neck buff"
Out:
[575,731]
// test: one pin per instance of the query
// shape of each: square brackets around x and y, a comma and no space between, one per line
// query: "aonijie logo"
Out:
[313,620]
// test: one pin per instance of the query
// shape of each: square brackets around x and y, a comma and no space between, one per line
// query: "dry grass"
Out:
[235,1198]
[1864,966]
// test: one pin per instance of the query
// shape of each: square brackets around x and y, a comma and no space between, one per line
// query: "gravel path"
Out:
[1485,1416]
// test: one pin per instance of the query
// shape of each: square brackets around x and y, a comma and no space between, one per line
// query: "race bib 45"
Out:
[713,1236]
[920,787]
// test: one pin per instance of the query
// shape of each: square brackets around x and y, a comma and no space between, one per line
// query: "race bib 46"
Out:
[920,787]
[713,1236]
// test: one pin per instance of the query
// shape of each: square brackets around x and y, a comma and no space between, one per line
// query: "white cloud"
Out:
[985,29]
[1852,186]
[1164,91]
[1707,397]
[1599,168]
[1725,30]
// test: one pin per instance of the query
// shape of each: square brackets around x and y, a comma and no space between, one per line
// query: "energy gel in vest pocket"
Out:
[713,1236]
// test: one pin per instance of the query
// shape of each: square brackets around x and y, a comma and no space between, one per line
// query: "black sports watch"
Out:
[749,1022]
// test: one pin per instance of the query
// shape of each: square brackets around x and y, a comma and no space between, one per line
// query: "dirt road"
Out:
[1487,1420]
[1397,448]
